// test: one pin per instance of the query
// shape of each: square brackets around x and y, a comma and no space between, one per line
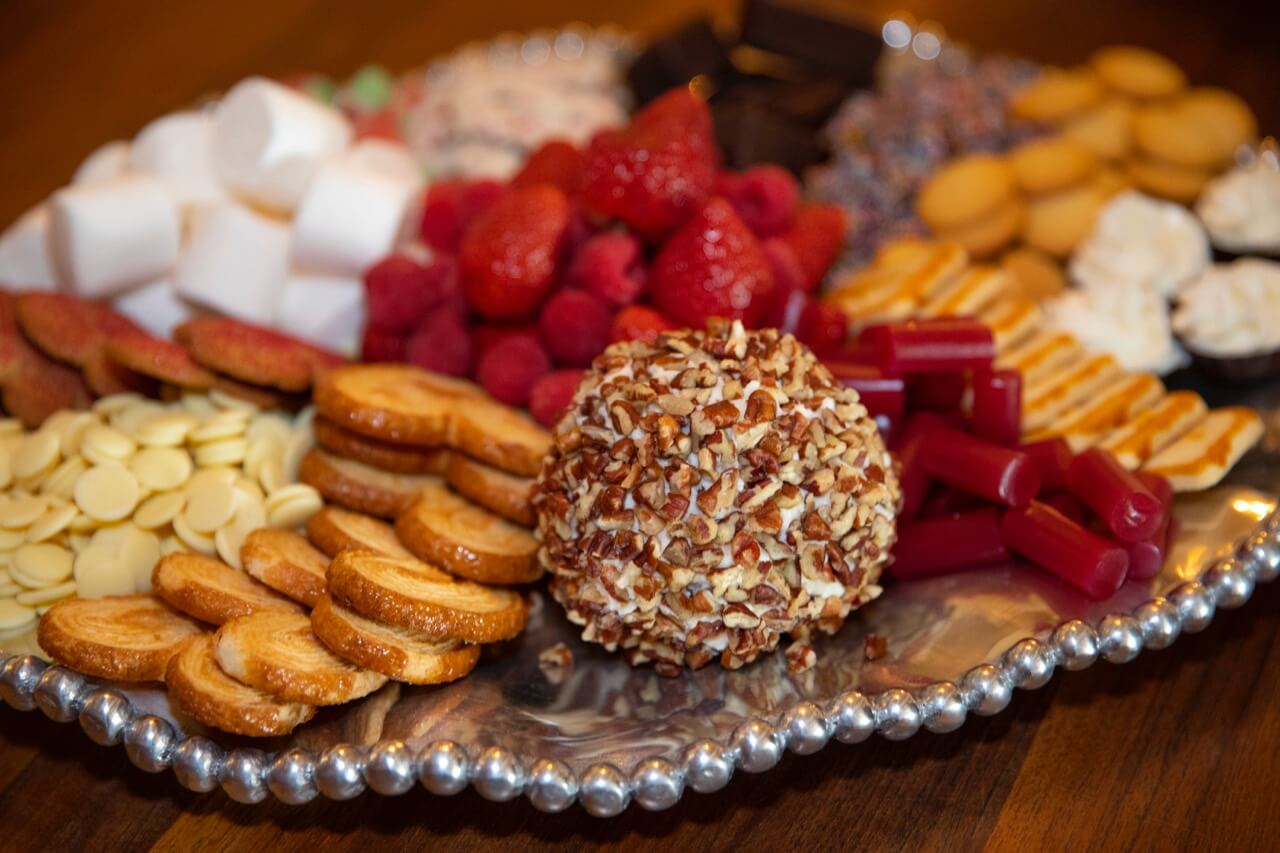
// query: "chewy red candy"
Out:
[1115,495]
[1052,458]
[935,546]
[980,468]
[927,346]
[1046,537]
[1146,558]
[997,405]
[882,395]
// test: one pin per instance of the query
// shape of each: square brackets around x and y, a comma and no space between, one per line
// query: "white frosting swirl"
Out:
[1241,209]
[1130,323]
[1140,241]
[1232,309]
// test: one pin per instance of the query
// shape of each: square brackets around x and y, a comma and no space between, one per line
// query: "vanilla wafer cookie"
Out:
[334,529]
[1085,425]
[279,654]
[1048,398]
[1204,454]
[1042,355]
[449,531]
[120,637]
[212,591]
[414,595]
[359,486]
[286,562]
[398,653]
[1156,428]
[200,687]
[497,491]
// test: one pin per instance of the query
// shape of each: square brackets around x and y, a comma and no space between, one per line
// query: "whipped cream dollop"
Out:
[1232,309]
[1129,323]
[1241,209]
[1141,241]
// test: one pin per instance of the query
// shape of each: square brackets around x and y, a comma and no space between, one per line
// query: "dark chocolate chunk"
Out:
[675,59]
[802,33]
[750,132]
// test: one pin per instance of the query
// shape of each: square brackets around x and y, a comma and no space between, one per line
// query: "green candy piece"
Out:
[371,87]
[321,88]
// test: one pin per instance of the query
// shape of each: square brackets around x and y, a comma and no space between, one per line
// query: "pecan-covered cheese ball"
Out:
[711,492]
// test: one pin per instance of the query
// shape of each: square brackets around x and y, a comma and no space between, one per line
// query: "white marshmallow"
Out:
[113,235]
[106,162]
[348,218]
[325,310]
[385,157]
[26,260]
[268,140]
[178,149]
[155,307]
[235,262]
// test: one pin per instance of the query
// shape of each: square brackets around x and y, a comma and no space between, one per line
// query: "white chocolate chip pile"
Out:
[92,500]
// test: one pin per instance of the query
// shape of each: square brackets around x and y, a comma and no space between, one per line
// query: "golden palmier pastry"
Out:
[212,591]
[401,458]
[500,436]
[414,595]
[393,402]
[466,540]
[198,686]
[335,529]
[279,654]
[506,494]
[359,486]
[286,562]
[120,637]
[398,653]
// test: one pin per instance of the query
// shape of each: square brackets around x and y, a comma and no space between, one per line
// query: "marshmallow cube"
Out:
[348,218]
[235,262]
[113,235]
[105,162]
[178,149]
[155,307]
[268,141]
[390,159]
[326,310]
[25,258]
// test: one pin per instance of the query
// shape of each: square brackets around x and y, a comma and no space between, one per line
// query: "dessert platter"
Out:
[587,420]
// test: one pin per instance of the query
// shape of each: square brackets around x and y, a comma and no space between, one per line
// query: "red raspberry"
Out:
[377,345]
[581,229]
[510,367]
[815,236]
[611,266]
[575,326]
[508,255]
[451,205]
[764,196]
[639,323]
[712,267]
[488,334]
[656,172]
[399,292]
[441,343]
[557,163]
[552,394]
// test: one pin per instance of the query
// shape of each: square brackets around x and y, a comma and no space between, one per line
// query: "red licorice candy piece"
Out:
[1116,496]
[1052,458]
[881,394]
[935,546]
[981,468]
[944,500]
[912,477]
[1065,503]
[932,345]
[997,405]
[1046,537]
[939,391]
[1146,558]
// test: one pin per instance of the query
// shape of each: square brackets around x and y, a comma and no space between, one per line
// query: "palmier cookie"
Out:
[334,529]
[401,458]
[506,494]
[198,686]
[212,591]
[286,562]
[964,190]
[410,594]
[466,540]
[120,637]
[279,654]
[398,653]
[359,486]
[396,403]
[500,436]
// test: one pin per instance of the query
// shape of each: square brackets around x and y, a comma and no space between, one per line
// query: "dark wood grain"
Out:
[1177,750]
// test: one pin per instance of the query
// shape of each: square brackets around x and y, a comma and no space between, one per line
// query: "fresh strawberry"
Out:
[398,293]
[441,343]
[610,265]
[639,323]
[508,255]
[712,267]
[451,205]
[764,196]
[575,326]
[656,172]
[485,335]
[552,394]
[510,368]
[377,345]
[557,163]
[815,237]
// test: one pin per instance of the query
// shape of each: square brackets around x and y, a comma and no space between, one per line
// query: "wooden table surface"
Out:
[1175,750]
